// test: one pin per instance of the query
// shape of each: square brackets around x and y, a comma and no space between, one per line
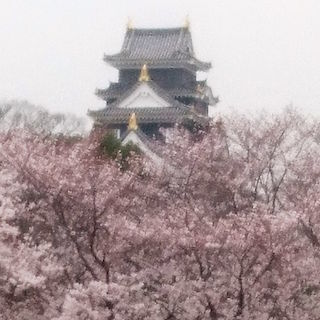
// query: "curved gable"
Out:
[144,97]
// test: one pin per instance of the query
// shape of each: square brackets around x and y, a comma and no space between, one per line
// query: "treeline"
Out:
[24,115]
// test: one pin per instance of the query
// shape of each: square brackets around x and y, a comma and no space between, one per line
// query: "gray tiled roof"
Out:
[161,92]
[114,91]
[117,90]
[157,43]
[116,115]
[157,47]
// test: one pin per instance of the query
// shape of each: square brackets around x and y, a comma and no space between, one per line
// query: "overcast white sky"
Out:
[265,53]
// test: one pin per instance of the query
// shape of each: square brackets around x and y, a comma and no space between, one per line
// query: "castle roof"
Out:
[159,48]
[156,88]
[117,90]
[113,115]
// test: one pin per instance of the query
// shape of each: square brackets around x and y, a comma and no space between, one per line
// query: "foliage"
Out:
[192,125]
[24,115]
[230,230]
[129,148]
[112,147]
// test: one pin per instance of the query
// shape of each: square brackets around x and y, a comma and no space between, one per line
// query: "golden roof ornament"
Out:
[129,24]
[144,74]
[133,122]
[187,22]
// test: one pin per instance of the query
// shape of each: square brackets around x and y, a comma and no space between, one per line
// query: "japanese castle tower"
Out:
[157,84]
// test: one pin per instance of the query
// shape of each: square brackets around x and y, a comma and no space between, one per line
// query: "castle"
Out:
[157,84]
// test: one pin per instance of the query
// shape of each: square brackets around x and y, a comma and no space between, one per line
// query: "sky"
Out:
[265,53]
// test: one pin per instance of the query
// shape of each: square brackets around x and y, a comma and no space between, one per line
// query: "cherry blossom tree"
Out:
[228,230]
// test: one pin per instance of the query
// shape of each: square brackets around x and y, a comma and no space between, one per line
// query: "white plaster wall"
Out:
[132,137]
[144,97]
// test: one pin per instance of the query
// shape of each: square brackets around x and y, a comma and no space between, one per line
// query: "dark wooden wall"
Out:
[165,78]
